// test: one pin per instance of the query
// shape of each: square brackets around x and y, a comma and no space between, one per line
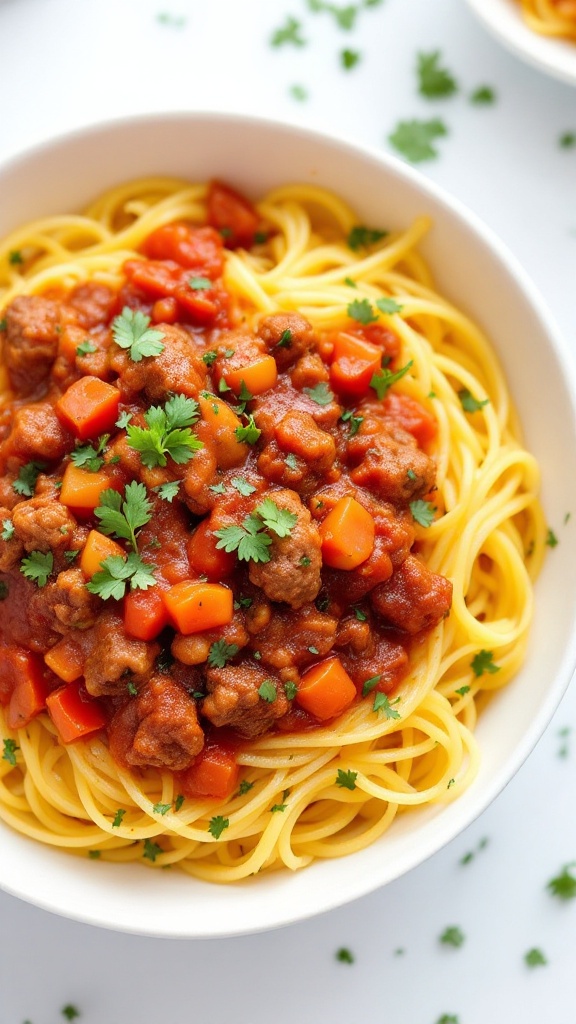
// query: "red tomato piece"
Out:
[74,712]
[232,214]
[190,246]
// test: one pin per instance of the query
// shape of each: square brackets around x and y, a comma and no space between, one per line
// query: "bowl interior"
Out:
[503,18]
[474,270]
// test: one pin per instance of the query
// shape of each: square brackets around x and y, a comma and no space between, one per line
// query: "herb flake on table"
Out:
[535,958]
[70,1012]
[415,139]
[483,96]
[298,92]
[349,59]
[567,140]
[551,539]
[344,955]
[452,936]
[563,885]
[290,33]
[434,80]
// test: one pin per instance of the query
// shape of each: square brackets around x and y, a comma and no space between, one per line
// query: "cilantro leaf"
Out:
[267,691]
[349,59]
[384,379]
[414,139]
[85,456]
[469,403]
[361,237]
[167,433]
[178,802]
[320,393]
[452,936]
[434,81]
[123,420]
[248,433]
[15,257]
[37,566]
[8,531]
[483,662]
[551,539]
[289,33]
[217,825]
[85,348]
[290,689]
[346,780]
[370,684]
[161,808]
[25,483]
[344,955]
[9,754]
[423,512]
[117,572]
[124,517]
[247,540]
[388,305]
[151,850]
[169,490]
[462,690]
[69,1011]
[200,283]
[381,703]
[220,653]
[361,311]
[483,95]
[535,958]
[244,787]
[279,520]
[131,330]
[118,818]
[563,885]
[242,486]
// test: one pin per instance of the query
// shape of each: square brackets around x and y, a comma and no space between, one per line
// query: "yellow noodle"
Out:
[555,18]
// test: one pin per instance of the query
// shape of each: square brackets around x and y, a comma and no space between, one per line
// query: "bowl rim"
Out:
[353,886]
[503,19]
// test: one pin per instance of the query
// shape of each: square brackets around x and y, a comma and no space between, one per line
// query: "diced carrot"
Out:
[232,214]
[74,712]
[30,688]
[81,489]
[223,423]
[347,535]
[96,549]
[326,689]
[257,377]
[165,310]
[89,407]
[213,774]
[194,607]
[66,659]
[145,614]
[205,558]
[354,362]
[411,415]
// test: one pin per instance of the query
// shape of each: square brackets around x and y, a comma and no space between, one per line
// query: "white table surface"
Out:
[65,63]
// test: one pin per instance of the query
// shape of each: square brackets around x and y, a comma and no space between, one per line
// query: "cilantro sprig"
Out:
[124,516]
[415,139]
[250,540]
[131,330]
[85,456]
[434,81]
[384,379]
[25,483]
[117,573]
[167,433]
[37,567]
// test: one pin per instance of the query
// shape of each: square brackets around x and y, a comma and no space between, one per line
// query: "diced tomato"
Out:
[232,214]
[74,712]
[165,310]
[23,685]
[412,416]
[377,334]
[200,248]
[145,614]
[213,774]
[354,363]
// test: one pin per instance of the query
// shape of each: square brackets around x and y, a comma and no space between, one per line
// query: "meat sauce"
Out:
[208,528]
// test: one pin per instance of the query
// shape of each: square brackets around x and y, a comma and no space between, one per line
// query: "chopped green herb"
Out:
[567,140]
[171,20]
[345,16]
[37,567]
[267,691]
[423,512]
[8,531]
[200,284]
[304,561]
[94,854]
[151,850]
[178,802]
[384,379]
[248,433]
[218,488]
[434,81]
[117,572]
[242,486]
[131,331]
[70,1012]
[244,787]
[278,807]
[344,955]
[161,808]
[350,282]
[361,311]
[564,884]
[361,237]
[132,689]
[354,422]
[291,33]
[15,257]
[168,491]
[118,818]
[85,456]
[313,650]
[349,59]
[414,139]
[448,1018]
[551,539]
[484,95]
[217,826]
[3,590]
[469,403]
[388,305]
[320,393]
[452,936]
[25,482]
[167,433]
[285,339]
[210,357]
[9,753]
[484,662]
[291,461]
[223,386]
[123,420]
[381,703]
[298,92]
[220,653]
[535,958]
[248,540]
[279,520]
[360,615]
[124,517]
[462,690]
[290,689]
[370,684]
[346,780]
[85,348]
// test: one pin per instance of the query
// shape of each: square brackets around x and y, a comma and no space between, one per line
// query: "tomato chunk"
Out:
[213,774]
[74,713]
[232,214]
[145,614]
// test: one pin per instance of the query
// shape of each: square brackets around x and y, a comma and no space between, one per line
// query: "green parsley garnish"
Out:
[289,33]
[278,807]
[388,305]
[210,357]
[370,684]
[15,257]
[462,690]
[320,393]
[168,491]
[290,689]
[267,691]
[361,237]
[551,539]
[349,59]
[220,653]
[346,780]
[244,787]
[151,850]
[452,936]
[567,140]
[535,958]
[117,572]
[361,311]
[564,884]
[200,284]
[469,403]
[123,420]
[131,331]
[9,754]
[124,517]
[298,92]
[37,566]
[25,483]
[178,801]
[384,379]
[354,422]
[94,854]
[279,520]
[448,1018]
[483,95]
[161,808]
[69,1011]
[414,139]
[360,615]
[217,825]
[248,433]
[434,81]
[85,348]
[381,703]
[167,433]
[118,818]
[242,486]
[483,662]
[249,540]
[423,512]
[291,461]
[344,955]
[285,339]
[85,456]
[8,531]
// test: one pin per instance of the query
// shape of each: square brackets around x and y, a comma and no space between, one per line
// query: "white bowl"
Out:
[503,18]
[474,270]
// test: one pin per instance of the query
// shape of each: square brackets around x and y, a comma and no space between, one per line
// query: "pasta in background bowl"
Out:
[526,28]
[470,269]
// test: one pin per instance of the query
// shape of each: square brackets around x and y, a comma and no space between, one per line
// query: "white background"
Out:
[65,63]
